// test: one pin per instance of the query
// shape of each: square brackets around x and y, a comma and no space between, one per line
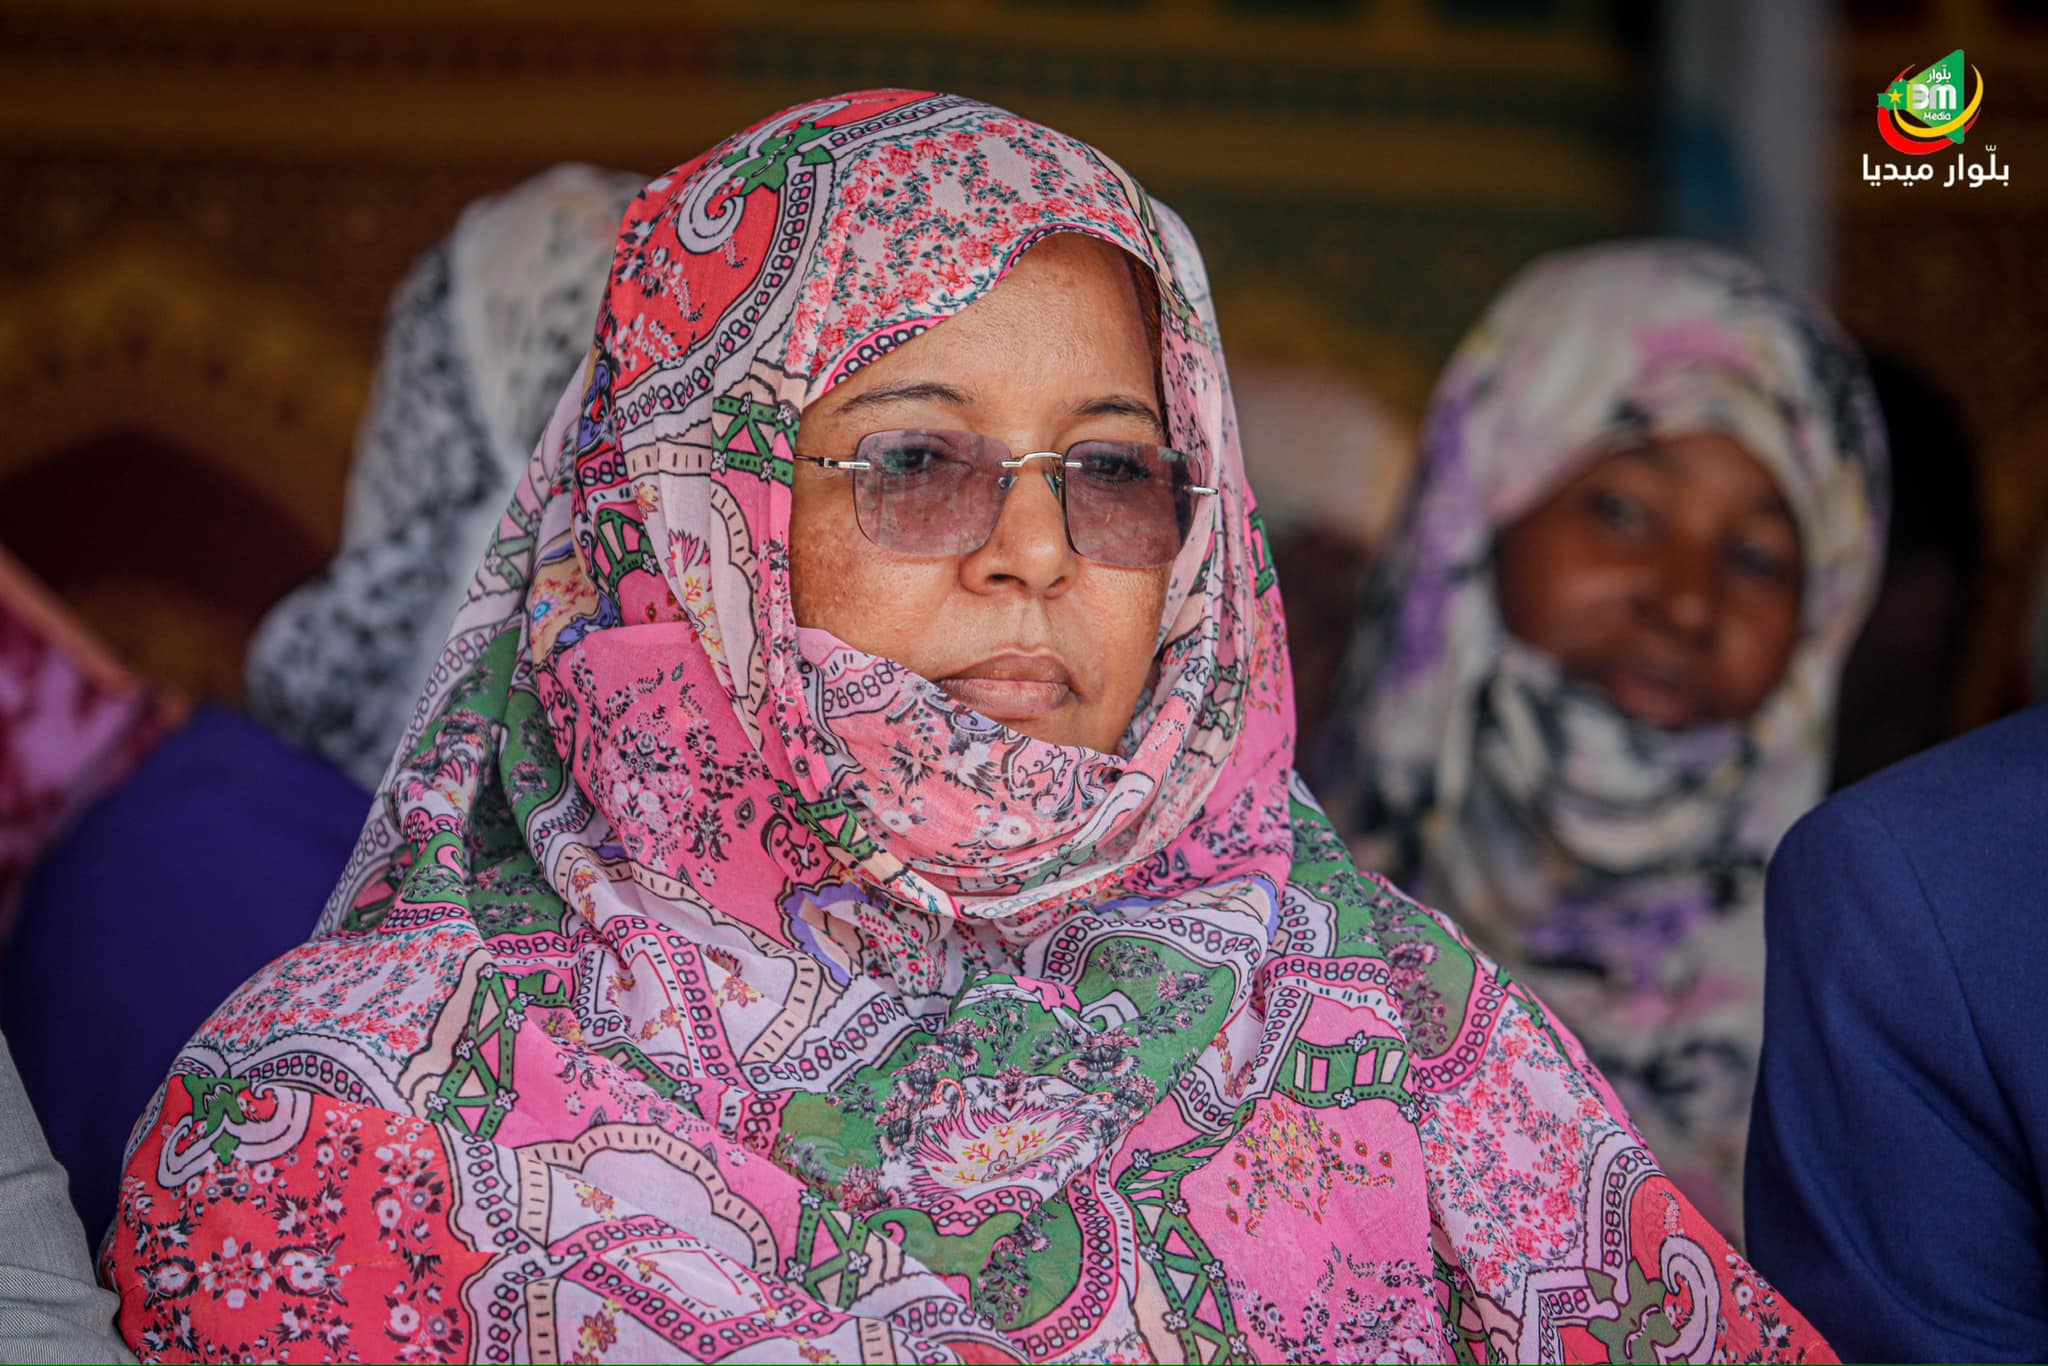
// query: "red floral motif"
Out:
[283,1258]
[1287,1155]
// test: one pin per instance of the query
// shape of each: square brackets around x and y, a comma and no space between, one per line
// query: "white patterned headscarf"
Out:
[483,332]
[1615,865]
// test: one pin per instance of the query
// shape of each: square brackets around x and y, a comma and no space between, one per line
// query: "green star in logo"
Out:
[1895,97]
[770,165]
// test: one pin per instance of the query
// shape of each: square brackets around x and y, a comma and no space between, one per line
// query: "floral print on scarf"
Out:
[707,989]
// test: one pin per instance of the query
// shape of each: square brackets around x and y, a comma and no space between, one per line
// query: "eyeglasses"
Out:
[941,493]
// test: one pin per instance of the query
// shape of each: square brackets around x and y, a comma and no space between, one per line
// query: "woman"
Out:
[482,333]
[845,897]
[1595,681]
[114,962]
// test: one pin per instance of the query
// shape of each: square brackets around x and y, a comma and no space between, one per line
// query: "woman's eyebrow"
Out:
[1655,456]
[910,391]
[1774,504]
[1121,405]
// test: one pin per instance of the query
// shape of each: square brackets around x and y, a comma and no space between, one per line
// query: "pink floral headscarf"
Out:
[709,989]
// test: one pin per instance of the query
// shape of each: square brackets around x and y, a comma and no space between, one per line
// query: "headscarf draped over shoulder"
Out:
[705,988]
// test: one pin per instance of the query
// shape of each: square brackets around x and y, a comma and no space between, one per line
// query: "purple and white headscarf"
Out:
[1615,866]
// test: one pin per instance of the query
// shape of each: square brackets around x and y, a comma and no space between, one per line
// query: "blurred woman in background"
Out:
[1595,678]
[483,333]
[115,960]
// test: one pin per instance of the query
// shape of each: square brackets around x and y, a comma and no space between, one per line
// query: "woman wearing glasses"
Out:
[845,895]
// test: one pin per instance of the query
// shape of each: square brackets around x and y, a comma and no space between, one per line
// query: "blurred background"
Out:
[204,209]
[211,215]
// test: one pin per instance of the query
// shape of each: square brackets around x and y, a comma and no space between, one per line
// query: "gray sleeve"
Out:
[51,1307]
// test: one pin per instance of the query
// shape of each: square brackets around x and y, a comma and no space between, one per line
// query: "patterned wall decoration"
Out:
[229,190]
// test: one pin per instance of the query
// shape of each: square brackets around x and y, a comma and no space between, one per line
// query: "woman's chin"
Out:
[1056,728]
[1051,712]
[1069,726]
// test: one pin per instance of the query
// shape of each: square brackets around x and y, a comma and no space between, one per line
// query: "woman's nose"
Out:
[1029,545]
[1688,598]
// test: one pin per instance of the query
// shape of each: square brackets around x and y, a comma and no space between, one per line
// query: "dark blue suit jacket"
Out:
[1899,1147]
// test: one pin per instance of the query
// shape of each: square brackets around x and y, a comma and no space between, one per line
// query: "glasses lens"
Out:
[1129,504]
[928,492]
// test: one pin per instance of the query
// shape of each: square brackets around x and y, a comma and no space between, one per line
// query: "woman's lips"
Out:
[1012,687]
[1655,693]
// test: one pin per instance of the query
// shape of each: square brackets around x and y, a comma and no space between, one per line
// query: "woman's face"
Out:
[1022,630]
[1668,576]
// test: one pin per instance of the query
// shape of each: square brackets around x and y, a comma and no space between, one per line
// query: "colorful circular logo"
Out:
[1927,112]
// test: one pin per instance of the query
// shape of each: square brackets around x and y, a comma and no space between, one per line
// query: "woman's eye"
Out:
[909,459]
[1114,467]
[1760,562]
[1622,513]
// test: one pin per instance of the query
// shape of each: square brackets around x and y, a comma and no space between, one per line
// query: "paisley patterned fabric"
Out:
[707,989]
[1614,867]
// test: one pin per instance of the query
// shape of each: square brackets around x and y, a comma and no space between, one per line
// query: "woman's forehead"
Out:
[810,247]
[1706,464]
[1071,314]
